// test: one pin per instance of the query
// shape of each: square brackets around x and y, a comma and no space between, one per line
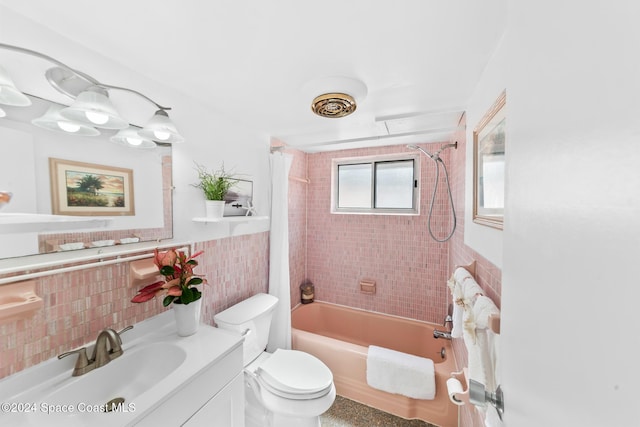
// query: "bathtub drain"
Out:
[443,353]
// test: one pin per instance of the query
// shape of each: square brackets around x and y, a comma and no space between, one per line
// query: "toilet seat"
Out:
[295,375]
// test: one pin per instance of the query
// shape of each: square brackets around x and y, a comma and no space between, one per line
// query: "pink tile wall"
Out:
[297,223]
[410,269]
[236,268]
[488,276]
[79,304]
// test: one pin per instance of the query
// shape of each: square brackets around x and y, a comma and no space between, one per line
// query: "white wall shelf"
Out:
[217,228]
[231,219]
[25,223]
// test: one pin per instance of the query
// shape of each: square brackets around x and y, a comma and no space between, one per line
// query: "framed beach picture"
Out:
[489,140]
[88,189]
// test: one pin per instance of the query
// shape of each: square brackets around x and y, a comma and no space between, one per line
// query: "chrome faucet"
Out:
[102,353]
[441,334]
[448,319]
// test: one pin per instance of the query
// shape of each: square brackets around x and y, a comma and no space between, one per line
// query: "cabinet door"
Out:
[225,409]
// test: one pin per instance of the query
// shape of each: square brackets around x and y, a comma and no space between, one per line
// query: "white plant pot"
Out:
[187,317]
[215,208]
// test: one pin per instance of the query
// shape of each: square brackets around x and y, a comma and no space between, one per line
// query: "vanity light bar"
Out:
[91,105]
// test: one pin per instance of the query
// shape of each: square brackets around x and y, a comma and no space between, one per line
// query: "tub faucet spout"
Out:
[441,334]
[448,320]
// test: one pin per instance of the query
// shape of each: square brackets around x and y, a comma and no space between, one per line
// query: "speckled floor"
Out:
[347,413]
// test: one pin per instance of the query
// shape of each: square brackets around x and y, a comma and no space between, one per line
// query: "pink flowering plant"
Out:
[178,286]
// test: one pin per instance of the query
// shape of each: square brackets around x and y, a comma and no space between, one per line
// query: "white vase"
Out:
[187,317]
[215,208]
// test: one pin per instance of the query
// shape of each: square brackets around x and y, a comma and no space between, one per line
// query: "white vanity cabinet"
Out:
[163,379]
[212,398]
[225,409]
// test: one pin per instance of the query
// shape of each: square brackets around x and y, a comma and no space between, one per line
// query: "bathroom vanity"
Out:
[160,379]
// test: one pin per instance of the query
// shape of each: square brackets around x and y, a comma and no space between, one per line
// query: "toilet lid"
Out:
[295,374]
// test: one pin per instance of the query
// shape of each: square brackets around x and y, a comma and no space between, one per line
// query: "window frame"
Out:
[373,160]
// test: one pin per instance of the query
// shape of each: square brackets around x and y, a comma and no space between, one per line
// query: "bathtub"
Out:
[339,336]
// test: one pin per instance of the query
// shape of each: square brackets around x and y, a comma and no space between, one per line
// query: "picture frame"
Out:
[239,199]
[79,188]
[489,143]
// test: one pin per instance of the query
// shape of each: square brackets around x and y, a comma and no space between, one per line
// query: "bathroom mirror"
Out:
[27,153]
[489,166]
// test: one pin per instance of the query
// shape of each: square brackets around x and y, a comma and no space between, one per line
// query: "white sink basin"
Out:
[126,377]
[155,365]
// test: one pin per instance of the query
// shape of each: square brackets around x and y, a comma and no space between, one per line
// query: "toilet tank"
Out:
[251,318]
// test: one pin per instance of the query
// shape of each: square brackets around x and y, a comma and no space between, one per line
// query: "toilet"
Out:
[286,388]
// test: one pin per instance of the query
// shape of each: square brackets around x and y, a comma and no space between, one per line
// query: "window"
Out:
[378,185]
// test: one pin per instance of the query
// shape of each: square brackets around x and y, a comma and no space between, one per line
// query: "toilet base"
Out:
[272,420]
[257,415]
[284,421]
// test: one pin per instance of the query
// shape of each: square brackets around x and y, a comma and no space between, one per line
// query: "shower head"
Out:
[428,154]
[436,155]
[436,158]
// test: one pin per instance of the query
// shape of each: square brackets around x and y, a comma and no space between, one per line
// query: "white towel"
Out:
[482,344]
[474,358]
[456,295]
[457,317]
[470,291]
[460,274]
[400,373]
[482,309]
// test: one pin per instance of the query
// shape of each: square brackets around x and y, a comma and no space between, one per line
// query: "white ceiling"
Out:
[260,61]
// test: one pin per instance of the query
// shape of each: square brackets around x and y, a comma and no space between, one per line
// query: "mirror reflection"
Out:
[489,140]
[75,191]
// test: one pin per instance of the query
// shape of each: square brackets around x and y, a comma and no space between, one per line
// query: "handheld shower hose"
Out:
[436,158]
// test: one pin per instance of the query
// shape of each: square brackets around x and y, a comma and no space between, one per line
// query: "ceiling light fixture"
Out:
[53,120]
[130,137]
[9,94]
[160,128]
[92,106]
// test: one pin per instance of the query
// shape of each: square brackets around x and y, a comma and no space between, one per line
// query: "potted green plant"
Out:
[214,185]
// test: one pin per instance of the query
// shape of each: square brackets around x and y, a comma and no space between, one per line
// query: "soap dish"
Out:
[19,301]
[102,243]
[71,246]
[126,240]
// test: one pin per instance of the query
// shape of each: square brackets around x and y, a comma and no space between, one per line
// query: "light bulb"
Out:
[96,117]
[133,141]
[69,127]
[162,135]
